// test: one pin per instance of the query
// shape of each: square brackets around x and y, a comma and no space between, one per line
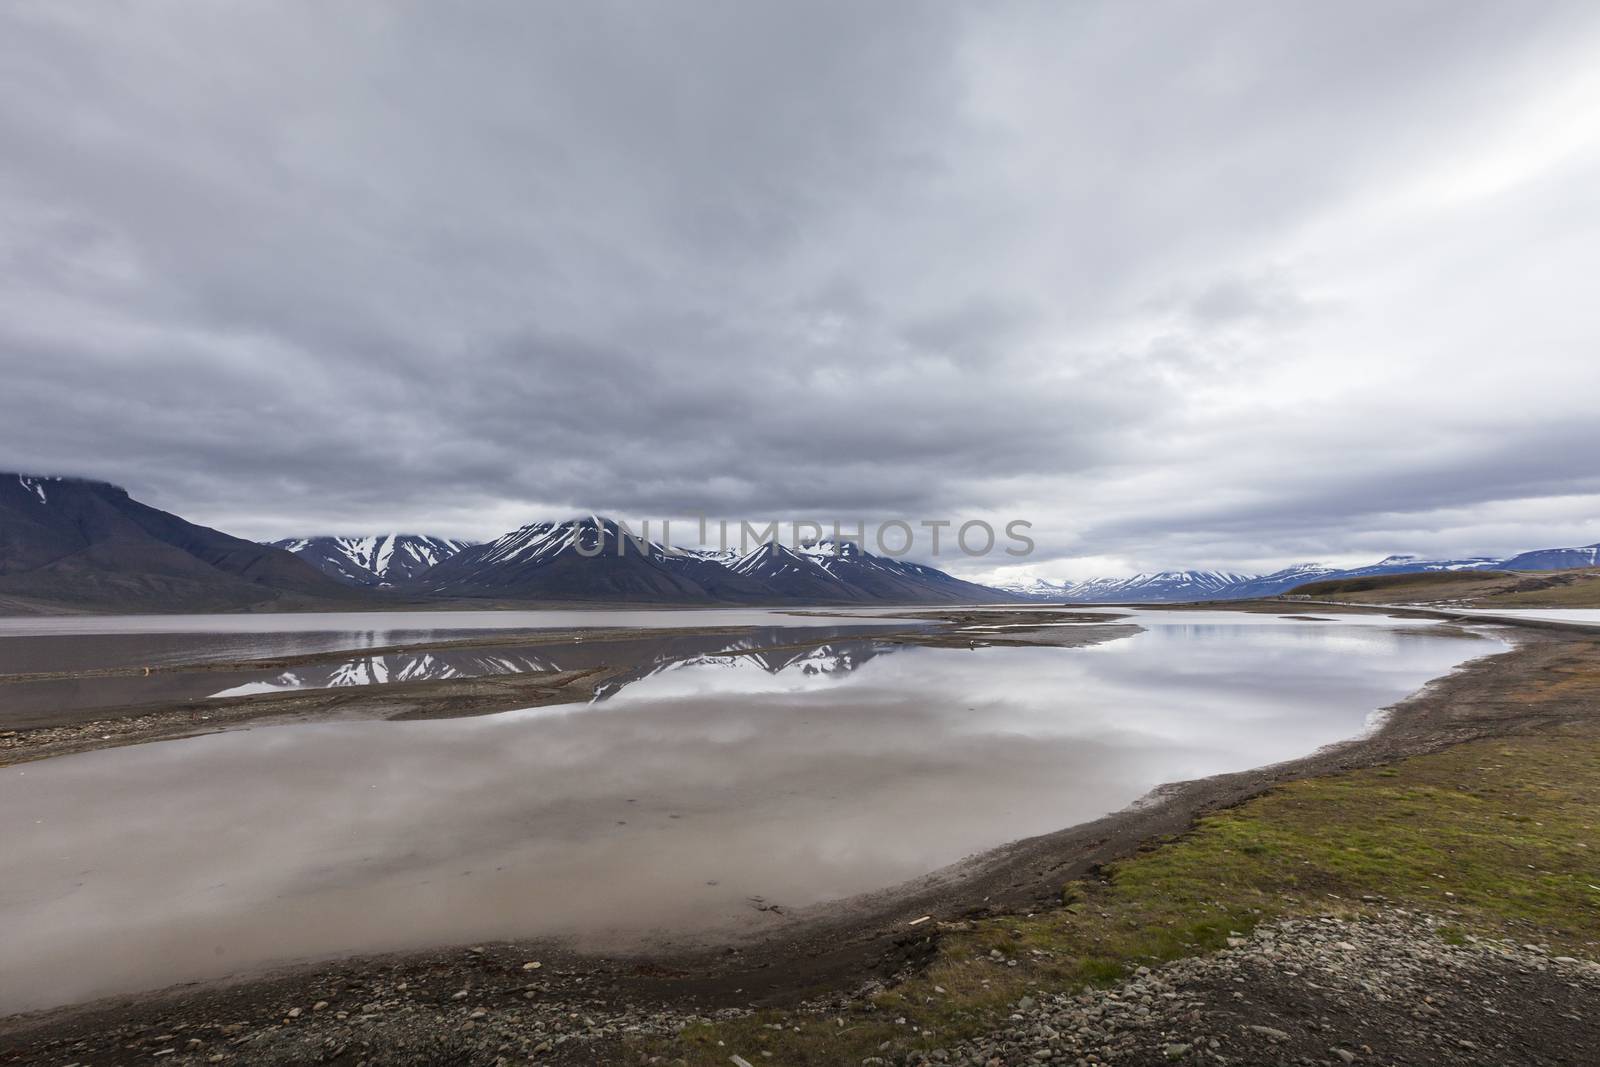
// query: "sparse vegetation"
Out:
[1499,836]
[1528,589]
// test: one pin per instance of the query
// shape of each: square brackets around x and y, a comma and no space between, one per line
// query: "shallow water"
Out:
[656,814]
[1588,616]
[25,705]
[77,642]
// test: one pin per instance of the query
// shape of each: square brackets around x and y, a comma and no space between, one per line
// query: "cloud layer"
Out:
[1300,282]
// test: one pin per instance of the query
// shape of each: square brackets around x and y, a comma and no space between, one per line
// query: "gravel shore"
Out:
[1391,989]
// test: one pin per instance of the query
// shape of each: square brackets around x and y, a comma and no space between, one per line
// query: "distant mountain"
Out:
[1036,588]
[1418,565]
[68,543]
[593,560]
[1280,581]
[1554,559]
[378,560]
[1181,586]
[1155,588]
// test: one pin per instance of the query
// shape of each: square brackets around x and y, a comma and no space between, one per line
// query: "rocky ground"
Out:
[1391,990]
[479,1005]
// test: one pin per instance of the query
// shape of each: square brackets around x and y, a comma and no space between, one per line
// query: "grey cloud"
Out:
[284,267]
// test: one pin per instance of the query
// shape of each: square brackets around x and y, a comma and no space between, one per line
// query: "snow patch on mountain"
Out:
[375,559]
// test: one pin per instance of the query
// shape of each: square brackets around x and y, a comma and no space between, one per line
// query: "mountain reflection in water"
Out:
[773,650]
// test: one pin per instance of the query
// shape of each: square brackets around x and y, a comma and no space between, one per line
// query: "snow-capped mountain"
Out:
[1153,588]
[724,556]
[377,560]
[582,559]
[1036,588]
[593,559]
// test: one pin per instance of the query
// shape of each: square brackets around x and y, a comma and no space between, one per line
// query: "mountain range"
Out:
[69,544]
[1167,587]
[593,558]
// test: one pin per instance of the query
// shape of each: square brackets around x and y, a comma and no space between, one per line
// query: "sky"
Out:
[1180,284]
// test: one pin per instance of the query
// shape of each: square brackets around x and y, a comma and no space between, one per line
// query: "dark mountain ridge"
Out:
[77,544]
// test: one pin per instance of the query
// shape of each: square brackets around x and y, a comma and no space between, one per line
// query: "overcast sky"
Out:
[1223,284]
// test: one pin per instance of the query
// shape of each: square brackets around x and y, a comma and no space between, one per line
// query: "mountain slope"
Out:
[1036,588]
[380,560]
[792,574]
[77,544]
[894,581]
[1555,559]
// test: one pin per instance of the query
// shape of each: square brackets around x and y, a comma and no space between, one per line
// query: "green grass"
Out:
[1432,583]
[1499,836]
[1577,588]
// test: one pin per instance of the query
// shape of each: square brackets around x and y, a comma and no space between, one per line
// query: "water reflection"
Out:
[653,814]
[767,650]
[27,704]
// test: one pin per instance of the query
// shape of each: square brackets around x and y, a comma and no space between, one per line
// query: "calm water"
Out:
[394,622]
[659,811]
[24,705]
[1590,616]
[76,642]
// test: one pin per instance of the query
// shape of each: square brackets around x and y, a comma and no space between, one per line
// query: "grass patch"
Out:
[1437,583]
[1576,588]
[1500,836]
